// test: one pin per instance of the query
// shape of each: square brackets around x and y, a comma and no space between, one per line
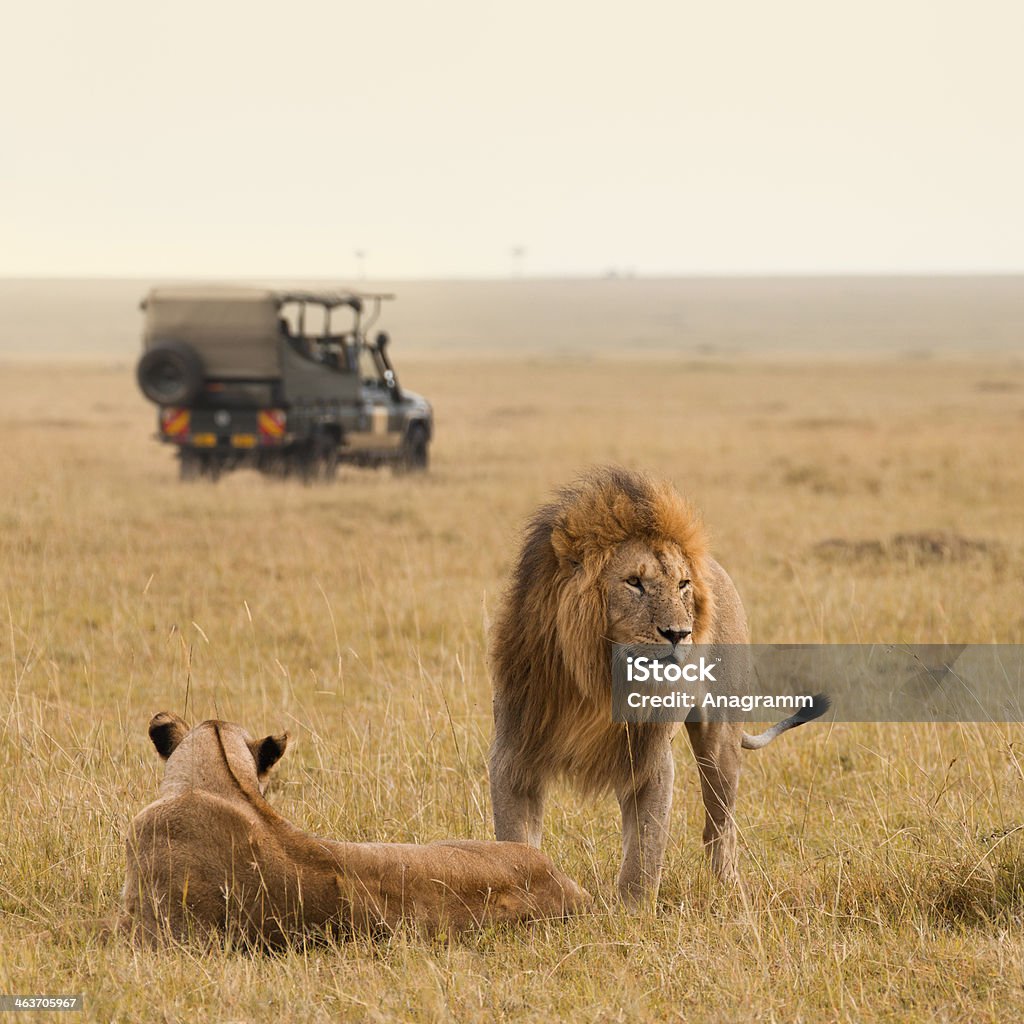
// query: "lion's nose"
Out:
[673,636]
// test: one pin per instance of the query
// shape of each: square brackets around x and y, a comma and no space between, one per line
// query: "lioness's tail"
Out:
[820,703]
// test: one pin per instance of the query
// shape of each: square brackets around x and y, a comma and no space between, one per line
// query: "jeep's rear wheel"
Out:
[327,446]
[171,373]
[193,465]
[190,465]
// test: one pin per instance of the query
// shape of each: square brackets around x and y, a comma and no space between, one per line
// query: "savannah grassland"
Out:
[883,865]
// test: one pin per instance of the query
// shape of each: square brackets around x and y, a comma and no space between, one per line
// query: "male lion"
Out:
[210,856]
[617,558]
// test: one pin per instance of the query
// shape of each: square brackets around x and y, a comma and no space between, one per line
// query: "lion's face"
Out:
[650,594]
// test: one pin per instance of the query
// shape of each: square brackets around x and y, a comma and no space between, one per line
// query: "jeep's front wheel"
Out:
[415,456]
[171,373]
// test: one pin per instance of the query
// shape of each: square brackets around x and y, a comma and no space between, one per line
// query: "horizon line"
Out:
[609,276]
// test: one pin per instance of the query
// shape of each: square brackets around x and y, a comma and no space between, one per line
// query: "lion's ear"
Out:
[167,730]
[268,751]
[565,550]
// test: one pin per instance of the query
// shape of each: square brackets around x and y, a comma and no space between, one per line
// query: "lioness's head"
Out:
[621,558]
[211,754]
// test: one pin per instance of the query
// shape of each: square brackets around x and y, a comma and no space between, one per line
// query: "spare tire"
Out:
[171,373]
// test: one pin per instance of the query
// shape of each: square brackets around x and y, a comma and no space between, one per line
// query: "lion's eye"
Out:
[634,582]
[684,584]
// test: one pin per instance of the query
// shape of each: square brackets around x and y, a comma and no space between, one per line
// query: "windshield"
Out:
[369,372]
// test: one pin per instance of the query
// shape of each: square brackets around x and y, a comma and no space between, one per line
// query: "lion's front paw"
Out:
[635,895]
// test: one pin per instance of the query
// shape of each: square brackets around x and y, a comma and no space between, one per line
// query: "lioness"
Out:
[617,558]
[211,856]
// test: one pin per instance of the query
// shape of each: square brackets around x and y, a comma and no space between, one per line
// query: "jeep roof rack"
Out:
[330,299]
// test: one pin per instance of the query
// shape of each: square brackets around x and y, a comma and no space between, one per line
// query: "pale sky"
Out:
[274,140]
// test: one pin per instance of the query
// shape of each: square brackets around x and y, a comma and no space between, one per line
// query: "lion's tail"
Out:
[820,703]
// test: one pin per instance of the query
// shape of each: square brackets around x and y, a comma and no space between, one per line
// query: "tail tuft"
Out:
[821,703]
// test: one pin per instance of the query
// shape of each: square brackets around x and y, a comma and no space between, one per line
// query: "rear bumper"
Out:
[224,430]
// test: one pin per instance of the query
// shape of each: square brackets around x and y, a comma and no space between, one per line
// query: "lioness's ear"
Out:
[267,752]
[166,730]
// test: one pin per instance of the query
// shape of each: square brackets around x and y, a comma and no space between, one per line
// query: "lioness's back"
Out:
[212,856]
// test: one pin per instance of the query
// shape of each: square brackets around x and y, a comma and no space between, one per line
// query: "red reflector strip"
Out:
[271,423]
[174,422]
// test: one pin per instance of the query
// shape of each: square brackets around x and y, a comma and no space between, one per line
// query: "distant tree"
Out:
[518,254]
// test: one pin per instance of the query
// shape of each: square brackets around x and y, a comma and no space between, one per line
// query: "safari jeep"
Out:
[272,380]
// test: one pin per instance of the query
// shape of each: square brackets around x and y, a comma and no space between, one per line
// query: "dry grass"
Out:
[884,865]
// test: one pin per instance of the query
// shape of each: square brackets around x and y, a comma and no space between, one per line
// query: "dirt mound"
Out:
[926,546]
